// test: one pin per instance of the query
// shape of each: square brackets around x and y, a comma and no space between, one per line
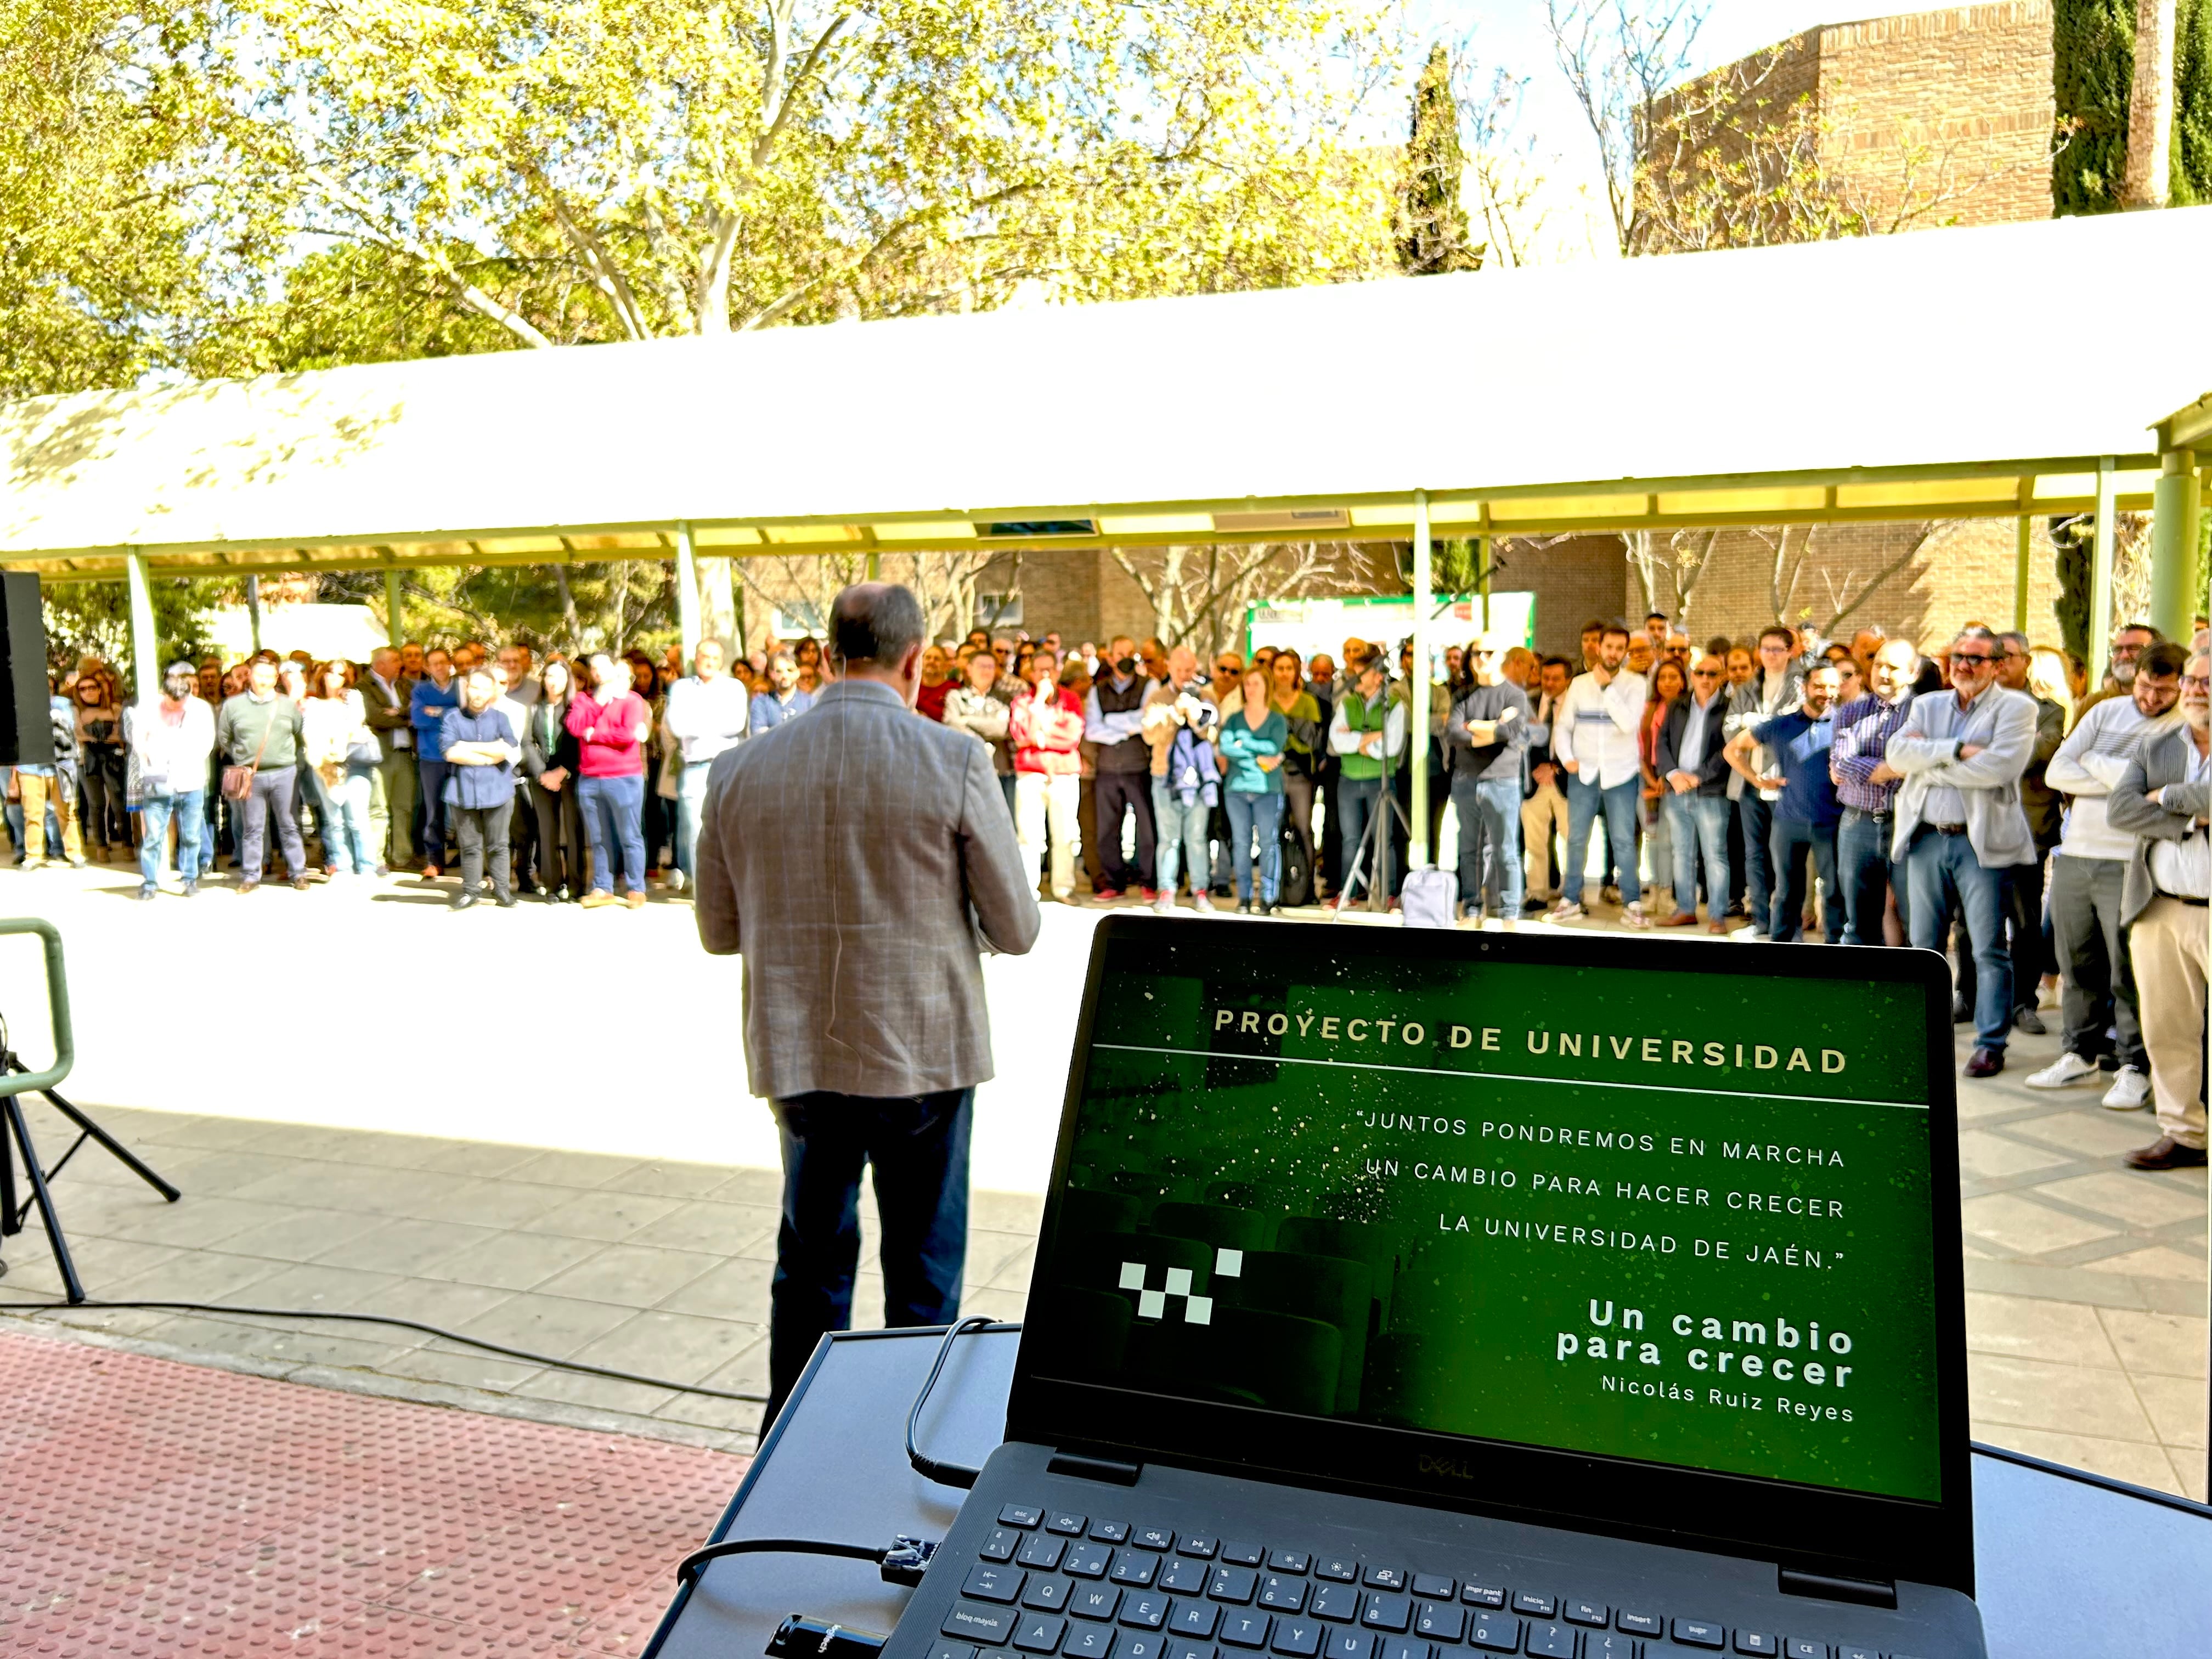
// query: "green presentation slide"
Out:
[1679,1217]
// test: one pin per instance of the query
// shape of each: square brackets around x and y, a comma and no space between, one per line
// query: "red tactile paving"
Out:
[149,1508]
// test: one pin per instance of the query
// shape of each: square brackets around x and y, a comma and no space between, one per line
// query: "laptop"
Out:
[1411,1294]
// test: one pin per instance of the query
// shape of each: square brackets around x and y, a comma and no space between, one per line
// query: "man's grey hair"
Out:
[875,622]
[1978,633]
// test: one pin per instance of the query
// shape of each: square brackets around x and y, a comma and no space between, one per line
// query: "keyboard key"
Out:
[1086,1560]
[1282,1593]
[1611,1644]
[1046,1595]
[1703,1633]
[1441,1621]
[1148,1610]
[1595,1614]
[1194,1618]
[1244,1630]
[1232,1584]
[1758,1641]
[1111,1532]
[1187,1650]
[1019,1515]
[1337,1601]
[1856,1653]
[1289,1560]
[1297,1639]
[1134,1567]
[1183,1577]
[1400,1647]
[1388,1578]
[1142,1645]
[1069,1525]
[1482,1596]
[990,1583]
[1242,1555]
[1153,1538]
[952,1650]
[1043,1552]
[1500,1632]
[1387,1611]
[974,1621]
[1429,1588]
[1649,1624]
[1351,1644]
[1005,1540]
[1039,1634]
[1198,1549]
[1090,1641]
[1337,1569]
[1797,1647]
[1549,1640]
[1095,1602]
[1534,1606]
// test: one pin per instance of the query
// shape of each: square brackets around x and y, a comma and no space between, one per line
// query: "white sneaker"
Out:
[1633,916]
[1202,902]
[2069,1069]
[675,879]
[2130,1092]
[1165,905]
[1565,910]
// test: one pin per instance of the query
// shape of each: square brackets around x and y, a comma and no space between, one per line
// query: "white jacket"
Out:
[165,759]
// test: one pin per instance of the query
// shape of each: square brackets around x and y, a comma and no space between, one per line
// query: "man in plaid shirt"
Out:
[1868,788]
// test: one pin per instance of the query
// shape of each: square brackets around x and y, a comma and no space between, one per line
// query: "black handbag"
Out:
[1298,886]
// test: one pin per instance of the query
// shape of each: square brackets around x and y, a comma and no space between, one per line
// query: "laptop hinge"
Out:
[1866,1592]
[1112,1470]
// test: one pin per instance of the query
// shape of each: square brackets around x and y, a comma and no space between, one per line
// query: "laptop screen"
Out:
[1616,1207]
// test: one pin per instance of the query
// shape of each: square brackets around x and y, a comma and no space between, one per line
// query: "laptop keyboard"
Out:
[1080,1587]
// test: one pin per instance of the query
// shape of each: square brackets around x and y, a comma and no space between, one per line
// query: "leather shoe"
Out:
[1986,1062]
[505,901]
[2165,1153]
[464,901]
[248,886]
[1962,1012]
[2027,1020]
[1717,925]
[1681,919]
[299,883]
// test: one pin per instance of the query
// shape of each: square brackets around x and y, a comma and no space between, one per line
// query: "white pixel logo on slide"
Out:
[1196,1309]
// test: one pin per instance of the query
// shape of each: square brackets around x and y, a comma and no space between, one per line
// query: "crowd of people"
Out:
[1978,796]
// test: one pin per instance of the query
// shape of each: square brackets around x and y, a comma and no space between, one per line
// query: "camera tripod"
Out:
[1374,840]
[16,1080]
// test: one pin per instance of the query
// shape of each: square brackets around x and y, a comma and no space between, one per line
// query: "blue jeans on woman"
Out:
[347,842]
[1489,862]
[1260,815]
[614,823]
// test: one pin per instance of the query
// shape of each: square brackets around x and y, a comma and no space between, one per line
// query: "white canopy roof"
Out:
[1914,376]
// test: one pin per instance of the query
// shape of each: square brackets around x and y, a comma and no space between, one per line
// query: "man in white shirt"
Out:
[706,714]
[2164,799]
[1594,738]
[2088,876]
[169,739]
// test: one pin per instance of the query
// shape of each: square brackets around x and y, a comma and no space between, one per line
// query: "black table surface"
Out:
[2067,1565]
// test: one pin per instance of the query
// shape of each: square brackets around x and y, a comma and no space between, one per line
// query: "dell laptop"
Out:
[1406,1294]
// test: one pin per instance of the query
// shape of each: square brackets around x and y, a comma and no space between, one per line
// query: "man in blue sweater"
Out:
[432,699]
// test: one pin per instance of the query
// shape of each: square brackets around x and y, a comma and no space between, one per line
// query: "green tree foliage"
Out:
[94,618]
[2091,70]
[1433,233]
[2075,542]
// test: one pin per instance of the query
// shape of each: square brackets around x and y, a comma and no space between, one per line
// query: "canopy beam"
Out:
[395,623]
[1417,696]
[2173,545]
[2100,579]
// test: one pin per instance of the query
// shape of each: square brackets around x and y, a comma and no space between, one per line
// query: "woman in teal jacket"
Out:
[1254,797]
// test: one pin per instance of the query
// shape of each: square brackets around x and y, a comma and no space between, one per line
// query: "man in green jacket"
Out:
[261,728]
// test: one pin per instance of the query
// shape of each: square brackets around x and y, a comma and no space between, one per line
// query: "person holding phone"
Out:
[1486,735]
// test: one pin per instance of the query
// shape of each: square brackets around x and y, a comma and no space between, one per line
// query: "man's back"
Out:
[842,854]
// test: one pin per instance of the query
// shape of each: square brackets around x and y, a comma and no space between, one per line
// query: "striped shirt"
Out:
[1863,728]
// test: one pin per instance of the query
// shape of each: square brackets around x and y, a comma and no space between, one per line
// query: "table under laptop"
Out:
[1405,1294]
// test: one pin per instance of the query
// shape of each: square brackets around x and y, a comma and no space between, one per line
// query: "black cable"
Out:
[946,1474]
[408,1324]
[903,1560]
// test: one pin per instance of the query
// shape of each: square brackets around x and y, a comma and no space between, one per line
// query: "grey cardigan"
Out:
[2160,761]
[861,861]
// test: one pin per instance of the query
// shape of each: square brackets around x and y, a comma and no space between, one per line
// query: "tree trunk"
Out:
[718,608]
[2147,183]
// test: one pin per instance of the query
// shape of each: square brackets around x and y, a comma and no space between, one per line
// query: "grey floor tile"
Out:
[734,1290]
[577,1389]
[583,1170]
[610,1216]
[551,1325]
[753,1186]
[680,1348]
[487,1202]
[706,1224]
[196,1223]
[300,1346]
[631,1275]
[319,1285]
[430,1194]
[404,1245]
[304,1236]
[513,1261]
[222,1173]
[673,1180]
[465,1368]
[437,1301]
[197,1276]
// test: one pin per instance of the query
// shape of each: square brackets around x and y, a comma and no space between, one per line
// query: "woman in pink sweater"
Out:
[610,724]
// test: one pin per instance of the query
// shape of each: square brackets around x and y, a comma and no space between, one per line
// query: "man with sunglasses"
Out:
[1693,761]
[1960,824]
[2164,798]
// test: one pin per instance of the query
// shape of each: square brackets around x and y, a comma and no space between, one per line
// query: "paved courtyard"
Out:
[620,1210]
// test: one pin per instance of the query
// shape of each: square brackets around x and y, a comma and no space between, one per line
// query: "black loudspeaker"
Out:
[27,725]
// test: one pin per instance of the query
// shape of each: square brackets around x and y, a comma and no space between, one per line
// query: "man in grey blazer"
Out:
[860,862]
[2164,799]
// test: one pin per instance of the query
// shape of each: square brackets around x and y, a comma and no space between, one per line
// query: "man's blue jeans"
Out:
[1699,823]
[1946,877]
[1789,840]
[1250,816]
[189,809]
[690,799]
[1180,838]
[1584,802]
[612,808]
[1489,859]
[1758,818]
[1359,800]
[919,1146]
[1864,873]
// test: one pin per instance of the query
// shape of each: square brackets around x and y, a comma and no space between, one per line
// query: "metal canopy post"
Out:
[2020,555]
[253,609]
[2100,579]
[686,592]
[1417,692]
[1482,576]
[145,645]
[2173,545]
[395,625]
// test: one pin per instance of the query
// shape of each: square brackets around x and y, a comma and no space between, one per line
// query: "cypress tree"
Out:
[2093,44]
[2192,102]
[2072,540]
[1433,236]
